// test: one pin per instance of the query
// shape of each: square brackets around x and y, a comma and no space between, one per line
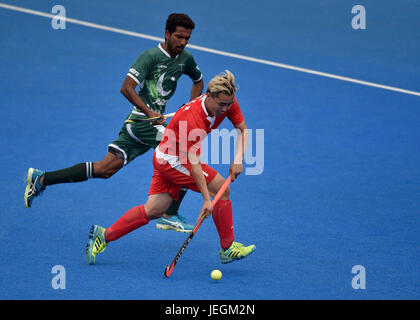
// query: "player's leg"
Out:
[138,216]
[150,135]
[38,180]
[133,219]
[172,220]
[161,194]
[222,211]
[104,169]
[121,151]
[223,219]
[118,155]
[108,166]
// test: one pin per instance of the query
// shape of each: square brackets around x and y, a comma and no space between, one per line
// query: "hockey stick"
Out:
[170,268]
[169,115]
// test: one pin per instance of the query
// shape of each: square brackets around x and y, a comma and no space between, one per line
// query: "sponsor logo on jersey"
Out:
[160,102]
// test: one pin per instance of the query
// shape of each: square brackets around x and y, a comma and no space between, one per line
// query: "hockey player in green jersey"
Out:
[156,73]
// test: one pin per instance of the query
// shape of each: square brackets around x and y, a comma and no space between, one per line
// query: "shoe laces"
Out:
[237,245]
[182,218]
[33,191]
[233,246]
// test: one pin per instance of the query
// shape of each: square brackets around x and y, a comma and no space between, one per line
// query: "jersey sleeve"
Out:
[235,114]
[192,70]
[141,67]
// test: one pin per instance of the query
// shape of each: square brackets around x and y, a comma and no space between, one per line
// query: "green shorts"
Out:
[136,139]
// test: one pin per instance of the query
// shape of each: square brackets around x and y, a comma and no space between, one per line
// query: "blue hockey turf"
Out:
[340,183]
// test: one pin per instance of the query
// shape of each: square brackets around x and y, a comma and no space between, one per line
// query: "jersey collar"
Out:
[166,53]
[210,119]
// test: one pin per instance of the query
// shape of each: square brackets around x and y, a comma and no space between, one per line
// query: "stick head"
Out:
[168,271]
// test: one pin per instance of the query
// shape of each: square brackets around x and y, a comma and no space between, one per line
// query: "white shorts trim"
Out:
[130,132]
[121,150]
[173,161]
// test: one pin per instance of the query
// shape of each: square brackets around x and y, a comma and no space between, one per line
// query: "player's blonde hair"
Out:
[222,83]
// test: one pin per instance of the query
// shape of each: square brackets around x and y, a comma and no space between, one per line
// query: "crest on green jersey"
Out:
[159,87]
[158,75]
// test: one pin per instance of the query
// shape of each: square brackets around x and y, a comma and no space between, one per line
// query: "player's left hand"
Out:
[235,170]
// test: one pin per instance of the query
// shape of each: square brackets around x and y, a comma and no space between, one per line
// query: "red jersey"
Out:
[191,124]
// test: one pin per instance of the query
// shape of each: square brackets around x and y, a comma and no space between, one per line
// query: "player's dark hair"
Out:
[179,20]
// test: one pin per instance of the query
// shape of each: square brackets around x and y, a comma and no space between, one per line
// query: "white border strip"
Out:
[80,22]
[214,51]
[314,72]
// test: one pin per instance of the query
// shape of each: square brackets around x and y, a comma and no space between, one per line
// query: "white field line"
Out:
[214,51]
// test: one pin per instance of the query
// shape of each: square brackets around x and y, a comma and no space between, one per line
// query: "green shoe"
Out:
[96,244]
[236,251]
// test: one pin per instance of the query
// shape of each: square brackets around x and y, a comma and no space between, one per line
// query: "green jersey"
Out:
[157,74]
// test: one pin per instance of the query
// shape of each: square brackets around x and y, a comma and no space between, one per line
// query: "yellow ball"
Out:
[216,274]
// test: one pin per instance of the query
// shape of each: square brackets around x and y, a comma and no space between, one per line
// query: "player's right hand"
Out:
[160,120]
[206,210]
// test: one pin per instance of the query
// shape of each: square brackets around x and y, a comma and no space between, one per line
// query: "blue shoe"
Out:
[175,222]
[96,244]
[34,188]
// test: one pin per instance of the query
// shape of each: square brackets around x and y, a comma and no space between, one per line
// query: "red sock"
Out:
[131,220]
[222,217]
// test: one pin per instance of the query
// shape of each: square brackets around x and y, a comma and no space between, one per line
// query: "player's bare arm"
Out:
[236,167]
[199,179]
[197,89]
[128,90]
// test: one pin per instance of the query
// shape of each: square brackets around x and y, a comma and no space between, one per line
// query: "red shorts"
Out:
[170,176]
